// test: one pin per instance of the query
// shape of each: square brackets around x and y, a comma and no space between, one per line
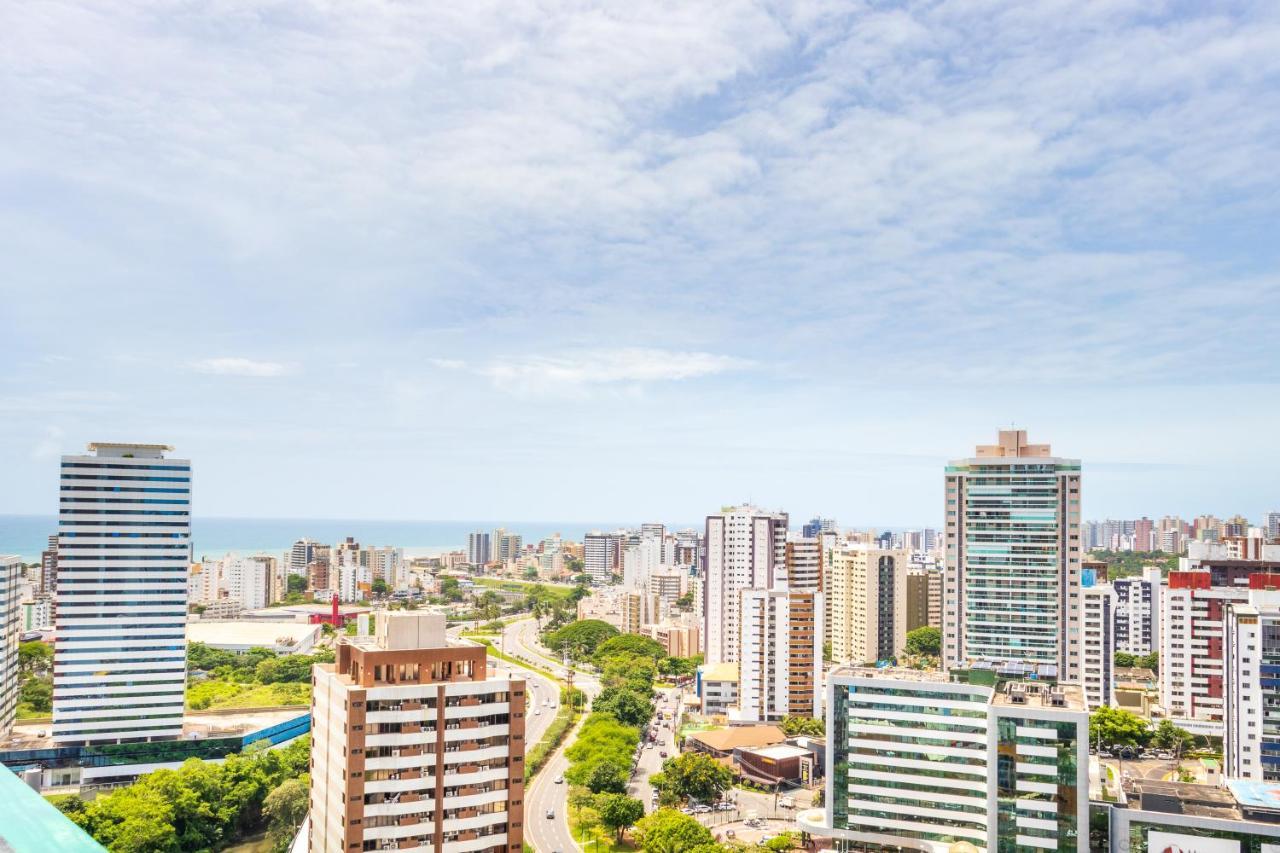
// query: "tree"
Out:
[379,587]
[685,602]
[531,572]
[450,589]
[581,638]
[669,831]
[1151,662]
[1125,659]
[618,811]
[37,694]
[1169,736]
[1117,727]
[607,778]
[695,776]
[296,584]
[628,706]
[284,808]
[925,640]
[34,658]
[792,726]
[635,645]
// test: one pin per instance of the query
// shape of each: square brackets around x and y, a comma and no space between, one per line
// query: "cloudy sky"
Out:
[558,260]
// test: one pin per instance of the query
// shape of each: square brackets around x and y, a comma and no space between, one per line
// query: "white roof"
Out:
[218,632]
[777,751]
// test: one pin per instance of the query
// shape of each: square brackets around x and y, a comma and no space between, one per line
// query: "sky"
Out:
[534,259]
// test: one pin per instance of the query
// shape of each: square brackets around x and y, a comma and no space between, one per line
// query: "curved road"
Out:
[546,835]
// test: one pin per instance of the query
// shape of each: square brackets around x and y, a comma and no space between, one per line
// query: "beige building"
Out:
[867,599]
[924,598]
[413,747]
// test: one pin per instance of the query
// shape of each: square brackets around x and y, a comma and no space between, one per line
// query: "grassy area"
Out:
[213,694]
[599,841]
[566,718]
[547,590]
[494,652]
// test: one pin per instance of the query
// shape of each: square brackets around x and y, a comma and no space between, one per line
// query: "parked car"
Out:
[724,807]
[687,810]
[701,809]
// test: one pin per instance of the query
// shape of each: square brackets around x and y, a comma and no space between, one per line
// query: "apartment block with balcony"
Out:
[413,747]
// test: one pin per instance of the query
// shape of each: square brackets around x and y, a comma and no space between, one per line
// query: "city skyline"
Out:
[767,251]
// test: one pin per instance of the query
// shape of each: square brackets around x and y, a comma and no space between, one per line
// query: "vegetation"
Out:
[669,830]
[581,638]
[201,805]
[925,640]
[618,812]
[1117,727]
[257,678]
[1171,737]
[1151,661]
[792,726]
[1123,564]
[296,583]
[692,776]
[35,679]
[566,717]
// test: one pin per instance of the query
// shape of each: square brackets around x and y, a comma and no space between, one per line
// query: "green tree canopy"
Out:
[669,831]
[792,726]
[925,640]
[607,778]
[1117,727]
[629,644]
[296,584]
[284,808]
[631,708]
[1169,736]
[1125,659]
[618,811]
[34,658]
[581,638]
[694,776]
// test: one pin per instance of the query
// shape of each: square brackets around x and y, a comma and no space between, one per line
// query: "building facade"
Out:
[10,632]
[1097,645]
[1251,652]
[479,548]
[124,548]
[414,747]
[867,588]
[924,598]
[1011,587]
[746,549]
[919,763]
[780,663]
[1138,612]
[601,555]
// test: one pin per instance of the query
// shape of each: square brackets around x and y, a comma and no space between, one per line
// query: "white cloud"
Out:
[634,366]
[234,366]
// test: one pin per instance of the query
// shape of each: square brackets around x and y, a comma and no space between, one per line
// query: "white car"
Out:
[537,711]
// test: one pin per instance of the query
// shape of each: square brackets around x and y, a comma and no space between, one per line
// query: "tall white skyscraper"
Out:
[746,549]
[124,545]
[1251,658]
[1012,581]
[479,551]
[10,630]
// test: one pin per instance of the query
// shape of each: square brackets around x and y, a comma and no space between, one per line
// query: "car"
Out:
[559,780]
[537,712]
[1164,755]
[662,753]
[687,810]
[729,833]
[701,809]
[551,814]
[724,807]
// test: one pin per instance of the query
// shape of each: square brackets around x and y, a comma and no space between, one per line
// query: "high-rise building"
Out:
[804,563]
[246,580]
[924,598]
[10,632]
[1193,607]
[868,600]
[811,528]
[301,555]
[1011,588]
[124,548]
[746,549]
[1273,526]
[413,746]
[1097,644]
[479,549]
[318,575]
[1251,654]
[1144,535]
[601,555]
[387,565]
[49,568]
[920,763]
[1138,612]
[781,656]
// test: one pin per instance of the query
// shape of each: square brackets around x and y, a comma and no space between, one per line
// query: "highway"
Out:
[546,835]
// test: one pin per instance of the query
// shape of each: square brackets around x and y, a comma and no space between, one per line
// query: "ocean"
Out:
[27,535]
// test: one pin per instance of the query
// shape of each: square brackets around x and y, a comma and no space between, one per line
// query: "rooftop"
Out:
[1255,796]
[779,751]
[720,672]
[737,737]
[1185,798]
[272,635]
[30,822]
[1022,691]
